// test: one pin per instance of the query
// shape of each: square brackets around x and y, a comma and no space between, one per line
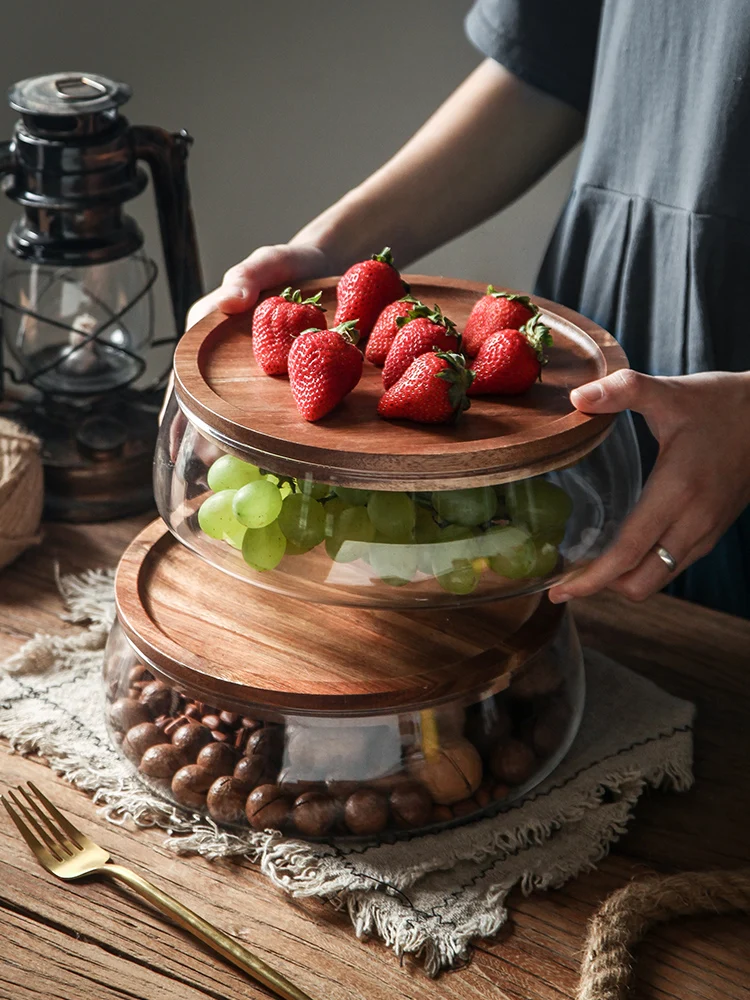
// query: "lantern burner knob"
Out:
[101,438]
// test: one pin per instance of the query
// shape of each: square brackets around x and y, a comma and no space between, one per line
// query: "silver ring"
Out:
[666,557]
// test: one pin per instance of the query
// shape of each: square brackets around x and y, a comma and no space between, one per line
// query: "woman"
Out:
[654,244]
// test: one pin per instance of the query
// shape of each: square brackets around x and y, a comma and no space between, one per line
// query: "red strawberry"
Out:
[496,311]
[421,330]
[277,321]
[324,365]
[431,391]
[510,361]
[366,289]
[386,329]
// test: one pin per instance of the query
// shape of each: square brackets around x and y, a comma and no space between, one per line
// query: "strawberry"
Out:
[277,321]
[432,390]
[510,361]
[324,365]
[366,289]
[496,311]
[421,330]
[386,329]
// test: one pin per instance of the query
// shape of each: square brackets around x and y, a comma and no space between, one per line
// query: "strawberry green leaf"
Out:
[525,300]
[459,378]
[296,297]
[385,256]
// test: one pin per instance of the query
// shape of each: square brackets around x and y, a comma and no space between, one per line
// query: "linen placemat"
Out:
[429,895]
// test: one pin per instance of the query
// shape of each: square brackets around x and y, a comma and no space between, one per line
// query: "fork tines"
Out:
[54,831]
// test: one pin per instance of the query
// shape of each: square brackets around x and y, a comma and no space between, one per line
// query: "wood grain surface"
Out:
[230,644]
[90,941]
[219,383]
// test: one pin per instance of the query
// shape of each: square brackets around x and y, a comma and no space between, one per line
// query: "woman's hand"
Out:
[698,487]
[266,267]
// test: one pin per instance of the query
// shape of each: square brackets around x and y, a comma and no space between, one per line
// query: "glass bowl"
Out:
[328,543]
[324,775]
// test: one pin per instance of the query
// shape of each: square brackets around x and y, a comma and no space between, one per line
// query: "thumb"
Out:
[623,390]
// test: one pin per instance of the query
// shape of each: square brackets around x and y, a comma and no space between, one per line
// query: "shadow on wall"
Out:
[290,104]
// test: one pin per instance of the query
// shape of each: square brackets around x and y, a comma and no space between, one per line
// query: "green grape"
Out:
[393,514]
[455,544]
[257,504]
[286,489]
[263,548]
[230,473]
[303,522]
[235,534]
[510,550]
[462,579]
[541,506]
[215,515]
[395,564]
[352,530]
[312,489]
[357,498]
[466,507]
[426,531]
[546,559]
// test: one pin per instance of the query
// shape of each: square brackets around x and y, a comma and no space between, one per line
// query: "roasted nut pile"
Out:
[231,766]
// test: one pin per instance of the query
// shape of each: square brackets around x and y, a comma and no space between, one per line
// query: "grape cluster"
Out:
[512,530]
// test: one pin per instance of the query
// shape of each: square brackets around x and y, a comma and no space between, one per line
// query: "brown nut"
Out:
[264,741]
[140,738]
[139,672]
[513,762]
[190,785]
[411,805]
[500,791]
[442,814]
[161,761]
[453,772]
[249,723]
[465,808]
[226,800]
[539,677]
[212,721]
[267,808]
[190,739]
[483,795]
[366,812]
[248,771]
[157,698]
[315,814]
[550,727]
[229,719]
[217,759]
[126,713]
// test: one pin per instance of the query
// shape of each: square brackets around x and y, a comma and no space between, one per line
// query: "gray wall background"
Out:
[291,102]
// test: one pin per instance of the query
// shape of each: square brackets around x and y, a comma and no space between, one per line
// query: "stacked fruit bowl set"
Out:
[340,628]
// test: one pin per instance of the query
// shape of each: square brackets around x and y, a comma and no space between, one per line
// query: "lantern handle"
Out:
[166,153]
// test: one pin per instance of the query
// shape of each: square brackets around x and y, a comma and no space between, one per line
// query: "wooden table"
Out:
[95,942]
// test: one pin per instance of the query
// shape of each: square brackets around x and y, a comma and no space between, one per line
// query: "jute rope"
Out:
[627,914]
[21,491]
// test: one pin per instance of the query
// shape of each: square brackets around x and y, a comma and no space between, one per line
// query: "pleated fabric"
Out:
[654,241]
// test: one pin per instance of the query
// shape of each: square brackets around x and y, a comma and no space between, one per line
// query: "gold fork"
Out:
[66,852]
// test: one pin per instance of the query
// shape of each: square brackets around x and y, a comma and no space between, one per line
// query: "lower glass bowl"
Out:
[370,776]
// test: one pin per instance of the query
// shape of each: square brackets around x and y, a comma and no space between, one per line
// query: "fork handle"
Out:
[207,933]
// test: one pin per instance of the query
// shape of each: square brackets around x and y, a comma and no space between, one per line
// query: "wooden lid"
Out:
[229,397]
[242,648]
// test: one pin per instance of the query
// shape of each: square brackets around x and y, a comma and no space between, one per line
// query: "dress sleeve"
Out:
[550,44]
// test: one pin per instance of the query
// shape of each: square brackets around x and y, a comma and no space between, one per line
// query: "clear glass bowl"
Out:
[329,543]
[373,776]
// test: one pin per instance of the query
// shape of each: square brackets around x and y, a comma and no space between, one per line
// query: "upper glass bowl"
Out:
[359,511]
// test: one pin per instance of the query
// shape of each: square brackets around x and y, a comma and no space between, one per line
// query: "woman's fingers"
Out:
[265,268]
[646,525]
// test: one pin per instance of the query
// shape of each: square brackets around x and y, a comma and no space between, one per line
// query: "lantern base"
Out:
[97,458]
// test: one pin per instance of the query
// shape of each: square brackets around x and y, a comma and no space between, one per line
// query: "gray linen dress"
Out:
[654,242]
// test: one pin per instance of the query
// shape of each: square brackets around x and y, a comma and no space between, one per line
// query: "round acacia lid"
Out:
[227,395]
[244,648]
